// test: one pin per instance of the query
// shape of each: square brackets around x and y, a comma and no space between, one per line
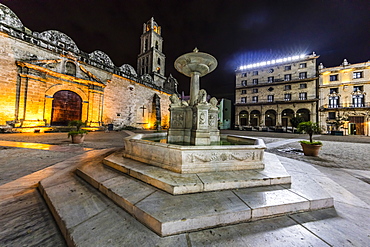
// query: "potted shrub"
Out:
[79,134]
[338,123]
[310,148]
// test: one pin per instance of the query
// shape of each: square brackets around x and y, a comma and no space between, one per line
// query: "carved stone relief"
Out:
[177,120]
[147,78]
[212,120]
[128,69]
[8,17]
[101,57]
[59,39]
[224,156]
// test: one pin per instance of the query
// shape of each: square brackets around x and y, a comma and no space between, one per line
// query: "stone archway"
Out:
[305,114]
[243,118]
[67,106]
[286,116]
[255,118]
[270,118]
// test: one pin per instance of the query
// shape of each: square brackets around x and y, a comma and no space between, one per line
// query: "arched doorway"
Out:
[270,118]
[255,118]
[286,115]
[67,106]
[305,114]
[243,118]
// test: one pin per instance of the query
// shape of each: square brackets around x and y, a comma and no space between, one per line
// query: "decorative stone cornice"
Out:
[59,75]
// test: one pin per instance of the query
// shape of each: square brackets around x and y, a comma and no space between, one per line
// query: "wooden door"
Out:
[360,125]
[67,106]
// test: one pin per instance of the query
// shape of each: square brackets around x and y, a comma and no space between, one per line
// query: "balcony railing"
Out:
[276,81]
[346,105]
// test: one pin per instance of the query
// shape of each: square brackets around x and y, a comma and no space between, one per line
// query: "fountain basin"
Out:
[196,159]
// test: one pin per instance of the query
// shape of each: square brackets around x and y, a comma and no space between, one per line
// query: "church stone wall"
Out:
[127,103]
[8,77]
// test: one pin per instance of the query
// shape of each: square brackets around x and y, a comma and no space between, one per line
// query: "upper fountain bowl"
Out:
[199,62]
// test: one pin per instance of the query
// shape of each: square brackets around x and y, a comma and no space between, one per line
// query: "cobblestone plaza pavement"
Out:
[342,169]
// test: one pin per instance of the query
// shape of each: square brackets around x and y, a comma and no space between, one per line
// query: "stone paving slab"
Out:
[270,201]
[41,146]
[176,183]
[346,225]
[276,232]
[335,190]
[26,221]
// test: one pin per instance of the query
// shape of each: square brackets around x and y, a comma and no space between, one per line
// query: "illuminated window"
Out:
[255,72]
[333,102]
[255,90]
[287,77]
[357,75]
[302,96]
[287,97]
[287,67]
[158,70]
[333,77]
[254,99]
[302,65]
[244,91]
[270,79]
[358,100]
[287,87]
[270,98]
[255,81]
[303,75]
[243,100]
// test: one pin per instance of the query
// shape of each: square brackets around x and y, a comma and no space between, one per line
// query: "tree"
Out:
[309,128]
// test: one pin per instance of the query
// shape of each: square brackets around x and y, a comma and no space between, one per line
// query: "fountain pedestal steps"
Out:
[167,214]
[86,217]
[175,183]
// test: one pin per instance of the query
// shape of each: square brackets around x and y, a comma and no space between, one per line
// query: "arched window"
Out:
[70,69]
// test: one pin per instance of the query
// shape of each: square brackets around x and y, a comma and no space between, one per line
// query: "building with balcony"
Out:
[269,94]
[344,104]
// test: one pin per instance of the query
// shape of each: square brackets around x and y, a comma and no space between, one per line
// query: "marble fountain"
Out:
[189,182]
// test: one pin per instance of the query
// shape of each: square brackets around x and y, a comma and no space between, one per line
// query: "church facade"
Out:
[46,80]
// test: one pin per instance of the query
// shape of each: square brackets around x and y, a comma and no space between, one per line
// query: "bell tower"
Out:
[151,60]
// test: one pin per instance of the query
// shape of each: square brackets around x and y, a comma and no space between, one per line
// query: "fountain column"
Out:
[202,119]
[194,87]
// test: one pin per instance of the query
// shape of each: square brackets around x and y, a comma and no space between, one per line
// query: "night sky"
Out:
[233,31]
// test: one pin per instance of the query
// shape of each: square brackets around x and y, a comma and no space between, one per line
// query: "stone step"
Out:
[168,214]
[88,218]
[274,173]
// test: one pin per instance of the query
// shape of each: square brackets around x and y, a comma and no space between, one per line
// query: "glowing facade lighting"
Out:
[272,62]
